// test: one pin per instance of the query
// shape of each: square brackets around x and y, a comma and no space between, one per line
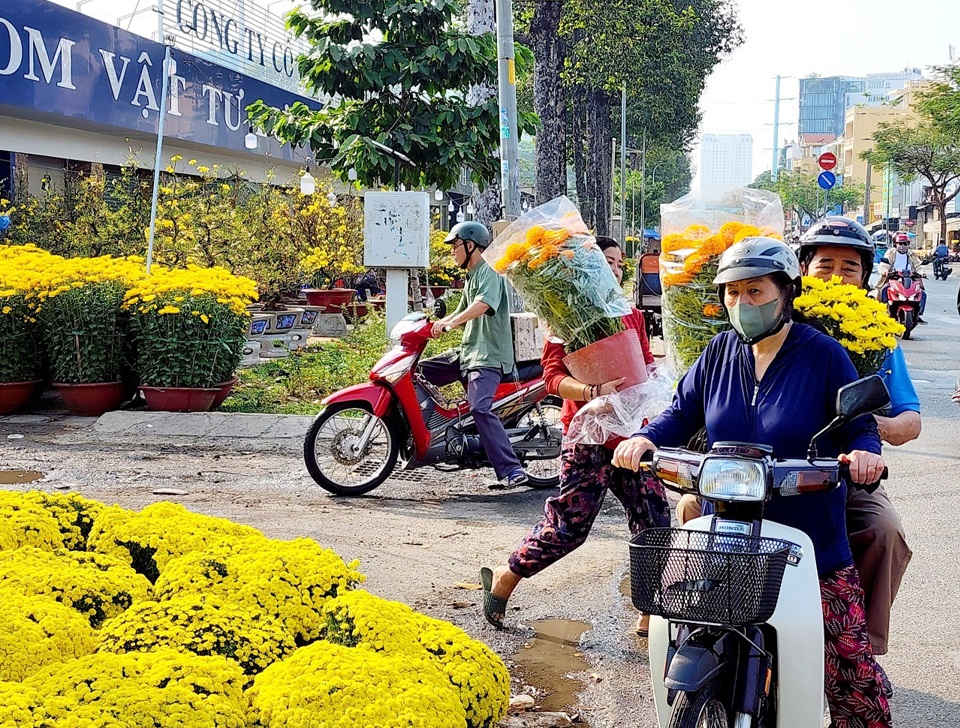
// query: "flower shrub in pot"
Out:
[189,327]
[21,348]
[85,329]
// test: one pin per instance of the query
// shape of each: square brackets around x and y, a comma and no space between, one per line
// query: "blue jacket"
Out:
[795,399]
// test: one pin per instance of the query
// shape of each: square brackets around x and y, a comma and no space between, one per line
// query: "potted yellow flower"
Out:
[21,360]
[189,329]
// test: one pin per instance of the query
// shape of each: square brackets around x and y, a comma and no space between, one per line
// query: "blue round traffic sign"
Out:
[826,180]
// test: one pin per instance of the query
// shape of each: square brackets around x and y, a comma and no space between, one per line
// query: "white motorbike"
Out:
[736,639]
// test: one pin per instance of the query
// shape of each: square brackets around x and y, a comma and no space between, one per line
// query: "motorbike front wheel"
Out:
[704,708]
[329,450]
[908,323]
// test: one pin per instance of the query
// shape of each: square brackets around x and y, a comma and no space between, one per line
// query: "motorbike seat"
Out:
[529,370]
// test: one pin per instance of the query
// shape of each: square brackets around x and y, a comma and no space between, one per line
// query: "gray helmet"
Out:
[842,232]
[755,257]
[475,232]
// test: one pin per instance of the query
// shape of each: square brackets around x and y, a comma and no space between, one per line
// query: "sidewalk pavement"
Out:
[206,429]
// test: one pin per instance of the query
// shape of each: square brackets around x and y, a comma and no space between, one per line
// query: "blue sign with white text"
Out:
[70,70]
[826,180]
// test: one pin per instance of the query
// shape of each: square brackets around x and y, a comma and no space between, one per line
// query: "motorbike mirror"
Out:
[862,397]
[440,308]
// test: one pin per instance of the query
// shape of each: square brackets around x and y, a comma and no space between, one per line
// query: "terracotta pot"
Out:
[91,400]
[603,361]
[179,399]
[225,389]
[457,284]
[15,395]
[437,291]
[355,310]
[329,296]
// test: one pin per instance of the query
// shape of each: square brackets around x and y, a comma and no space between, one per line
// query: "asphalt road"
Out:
[421,538]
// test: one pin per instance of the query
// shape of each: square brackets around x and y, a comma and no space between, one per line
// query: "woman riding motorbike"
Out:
[773,381]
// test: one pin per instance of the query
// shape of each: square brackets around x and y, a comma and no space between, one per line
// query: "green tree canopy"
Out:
[800,193]
[397,74]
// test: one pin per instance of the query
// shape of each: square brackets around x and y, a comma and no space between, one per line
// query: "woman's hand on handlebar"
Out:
[865,467]
[629,453]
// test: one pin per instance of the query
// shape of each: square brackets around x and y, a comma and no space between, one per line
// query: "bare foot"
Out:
[504,582]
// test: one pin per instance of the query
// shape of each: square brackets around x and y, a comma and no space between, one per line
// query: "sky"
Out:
[828,37]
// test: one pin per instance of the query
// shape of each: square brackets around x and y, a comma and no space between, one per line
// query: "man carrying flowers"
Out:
[486,354]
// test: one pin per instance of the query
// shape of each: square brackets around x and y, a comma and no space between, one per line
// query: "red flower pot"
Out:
[91,400]
[329,296]
[15,395]
[224,391]
[609,359]
[179,399]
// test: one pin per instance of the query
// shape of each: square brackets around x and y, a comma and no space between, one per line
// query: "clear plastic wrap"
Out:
[553,262]
[697,228]
[622,413]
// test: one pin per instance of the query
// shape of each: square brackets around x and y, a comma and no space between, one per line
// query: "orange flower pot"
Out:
[609,359]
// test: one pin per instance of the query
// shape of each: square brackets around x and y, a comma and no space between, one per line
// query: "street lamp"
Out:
[250,139]
[308,185]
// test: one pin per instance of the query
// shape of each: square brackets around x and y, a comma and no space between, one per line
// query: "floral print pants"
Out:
[858,690]
[586,474]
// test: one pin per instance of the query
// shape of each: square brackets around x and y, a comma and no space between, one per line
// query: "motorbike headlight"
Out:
[394,372]
[733,480]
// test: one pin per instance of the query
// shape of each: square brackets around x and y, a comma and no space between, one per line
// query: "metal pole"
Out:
[643,190]
[886,220]
[623,163]
[613,189]
[156,164]
[867,217]
[776,132]
[507,73]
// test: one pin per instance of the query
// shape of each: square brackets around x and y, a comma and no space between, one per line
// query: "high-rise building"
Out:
[726,160]
[823,101]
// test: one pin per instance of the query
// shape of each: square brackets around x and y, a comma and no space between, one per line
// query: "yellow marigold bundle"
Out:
[37,631]
[859,323]
[286,581]
[201,624]
[24,522]
[162,531]
[96,585]
[159,689]
[332,686]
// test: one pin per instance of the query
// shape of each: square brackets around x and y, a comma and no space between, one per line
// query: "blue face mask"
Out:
[755,323]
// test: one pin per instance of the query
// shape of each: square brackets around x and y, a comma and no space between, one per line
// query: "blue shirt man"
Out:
[941,251]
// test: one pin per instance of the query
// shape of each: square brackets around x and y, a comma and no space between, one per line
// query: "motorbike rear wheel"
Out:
[330,460]
[704,708]
[543,473]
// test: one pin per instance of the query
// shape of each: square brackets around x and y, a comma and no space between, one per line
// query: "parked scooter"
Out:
[736,639]
[355,442]
[940,269]
[904,291]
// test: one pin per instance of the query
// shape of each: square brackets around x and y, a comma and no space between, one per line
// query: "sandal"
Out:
[642,631]
[493,606]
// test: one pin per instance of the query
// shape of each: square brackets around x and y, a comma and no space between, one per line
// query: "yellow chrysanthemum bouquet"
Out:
[859,323]
[553,262]
[697,230]
[189,325]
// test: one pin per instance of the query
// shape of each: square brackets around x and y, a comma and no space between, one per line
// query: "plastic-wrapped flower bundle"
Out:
[697,230]
[859,323]
[553,262]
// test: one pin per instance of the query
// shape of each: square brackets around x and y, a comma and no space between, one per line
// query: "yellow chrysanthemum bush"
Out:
[289,582]
[73,513]
[202,624]
[189,325]
[24,522]
[20,706]
[96,585]
[162,531]
[861,324]
[21,342]
[329,685]
[160,689]
[37,631]
[365,621]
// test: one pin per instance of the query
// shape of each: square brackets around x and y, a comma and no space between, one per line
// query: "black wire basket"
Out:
[717,578]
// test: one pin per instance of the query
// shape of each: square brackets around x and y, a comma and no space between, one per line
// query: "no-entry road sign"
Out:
[827,161]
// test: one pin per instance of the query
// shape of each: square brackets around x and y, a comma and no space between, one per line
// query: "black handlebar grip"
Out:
[868,487]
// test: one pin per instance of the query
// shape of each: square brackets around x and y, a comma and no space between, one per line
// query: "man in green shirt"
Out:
[486,354]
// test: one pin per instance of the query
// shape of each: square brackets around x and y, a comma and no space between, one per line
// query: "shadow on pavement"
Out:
[915,709]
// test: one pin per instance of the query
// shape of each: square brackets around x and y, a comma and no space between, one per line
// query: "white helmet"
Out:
[755,257]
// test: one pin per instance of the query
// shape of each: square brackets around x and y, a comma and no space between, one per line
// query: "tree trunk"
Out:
[599,171]
[549,100]
[481,18]
[578,139]
[942,209]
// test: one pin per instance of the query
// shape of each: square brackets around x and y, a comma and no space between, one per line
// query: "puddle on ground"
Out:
[552,654]
[625,587]
[15,477]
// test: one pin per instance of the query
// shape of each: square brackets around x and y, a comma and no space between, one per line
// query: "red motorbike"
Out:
[904,291]
[356,441]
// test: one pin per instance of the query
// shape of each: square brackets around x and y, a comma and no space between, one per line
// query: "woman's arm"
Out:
[561,383]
